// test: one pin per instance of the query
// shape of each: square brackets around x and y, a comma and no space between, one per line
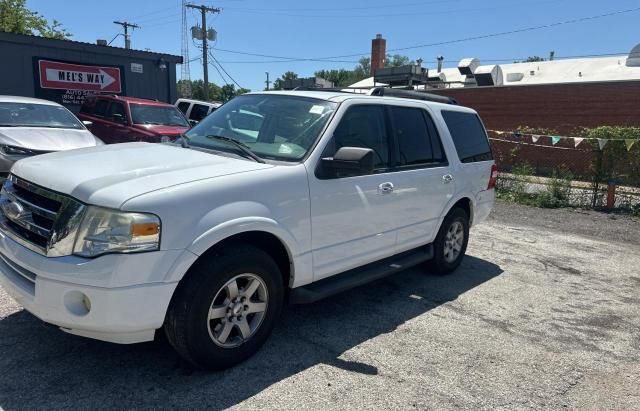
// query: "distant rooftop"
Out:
[578,70]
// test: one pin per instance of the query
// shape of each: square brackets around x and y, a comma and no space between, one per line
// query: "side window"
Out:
[198,112]
[100,108]
[184,107]
[364,126]
[468,136]
[116,111]
[418,141]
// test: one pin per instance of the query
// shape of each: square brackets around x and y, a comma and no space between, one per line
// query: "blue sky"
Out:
[296,29]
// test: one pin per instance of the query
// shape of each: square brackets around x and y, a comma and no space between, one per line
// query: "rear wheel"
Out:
[225,308]
[450,244]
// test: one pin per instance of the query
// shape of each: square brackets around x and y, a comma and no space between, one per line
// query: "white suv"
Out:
[275,196]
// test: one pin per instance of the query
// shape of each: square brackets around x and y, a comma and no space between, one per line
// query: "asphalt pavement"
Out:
[543,313]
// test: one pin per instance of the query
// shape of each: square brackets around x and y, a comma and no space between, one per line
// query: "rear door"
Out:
[101,126]
[119,126]
[423,179]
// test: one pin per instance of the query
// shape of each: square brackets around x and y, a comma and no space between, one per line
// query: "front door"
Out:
[352,218]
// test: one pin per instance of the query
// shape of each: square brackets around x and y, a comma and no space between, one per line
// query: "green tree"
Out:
[15,17]
[531,59]
[278,84]
[397,61]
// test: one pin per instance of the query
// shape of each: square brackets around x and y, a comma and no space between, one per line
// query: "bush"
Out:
[558,192]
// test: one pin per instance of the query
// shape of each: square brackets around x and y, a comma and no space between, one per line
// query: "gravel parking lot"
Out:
[545,312]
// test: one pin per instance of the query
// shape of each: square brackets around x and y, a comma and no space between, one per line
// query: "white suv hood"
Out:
[112,174]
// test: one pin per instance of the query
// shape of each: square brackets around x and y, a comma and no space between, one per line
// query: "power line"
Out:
[125,25]
[227,73]
[384,15]
[446,42]
[395,5]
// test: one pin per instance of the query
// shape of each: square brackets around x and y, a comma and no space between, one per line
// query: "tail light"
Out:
[493,179]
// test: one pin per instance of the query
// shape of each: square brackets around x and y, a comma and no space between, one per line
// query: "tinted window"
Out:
[364,126]
[418,141]
[198,112]
[183,106]
[159,115]
[117,109]
[468,136]
[100,109]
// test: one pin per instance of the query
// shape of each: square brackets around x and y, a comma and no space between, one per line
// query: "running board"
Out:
[359,276]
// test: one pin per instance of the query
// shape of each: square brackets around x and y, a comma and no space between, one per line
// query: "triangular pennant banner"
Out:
[499,132]
[517,134]
[602,142]
[535,138]
[577,141]
[629,143]
[555,140]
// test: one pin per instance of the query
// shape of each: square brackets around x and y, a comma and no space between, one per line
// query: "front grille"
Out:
[38,218]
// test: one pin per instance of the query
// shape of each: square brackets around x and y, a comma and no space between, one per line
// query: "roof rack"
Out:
[407,93]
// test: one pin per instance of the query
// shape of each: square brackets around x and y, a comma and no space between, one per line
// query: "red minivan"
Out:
[119,119]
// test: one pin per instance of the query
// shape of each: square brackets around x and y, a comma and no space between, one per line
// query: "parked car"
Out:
[118,119]
[196,110]
[275,195]
[30,126]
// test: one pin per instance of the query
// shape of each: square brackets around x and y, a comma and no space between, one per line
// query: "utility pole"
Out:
[205,57]
[267,82]
[126,25]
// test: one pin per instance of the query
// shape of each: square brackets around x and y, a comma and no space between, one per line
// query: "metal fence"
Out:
[556,171]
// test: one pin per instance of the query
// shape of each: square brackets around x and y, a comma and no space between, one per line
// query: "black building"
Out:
[66,71]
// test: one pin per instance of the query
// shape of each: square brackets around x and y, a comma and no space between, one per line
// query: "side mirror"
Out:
[87,123]
[349,161]
[193,123]
[119,118]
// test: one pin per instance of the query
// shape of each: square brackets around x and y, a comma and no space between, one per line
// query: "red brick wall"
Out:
[563,107]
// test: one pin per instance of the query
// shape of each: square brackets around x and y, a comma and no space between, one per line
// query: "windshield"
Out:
[37,115]
[276,127]
[163,115]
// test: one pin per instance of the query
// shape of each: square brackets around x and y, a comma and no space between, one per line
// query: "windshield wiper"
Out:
[239,145]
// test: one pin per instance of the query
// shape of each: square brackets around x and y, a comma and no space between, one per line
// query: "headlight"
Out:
[107,231]
[16,151]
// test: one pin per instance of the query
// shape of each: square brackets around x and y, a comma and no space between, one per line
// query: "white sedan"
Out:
[30,126]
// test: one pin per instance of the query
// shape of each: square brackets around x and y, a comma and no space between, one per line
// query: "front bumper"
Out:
[56,291]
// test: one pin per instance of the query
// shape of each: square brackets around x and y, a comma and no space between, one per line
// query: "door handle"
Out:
[385,188]
[447,178]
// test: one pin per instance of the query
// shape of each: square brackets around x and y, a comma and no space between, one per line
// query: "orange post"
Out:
[611,195]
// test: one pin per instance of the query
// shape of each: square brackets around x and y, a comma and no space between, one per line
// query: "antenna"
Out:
[185,74]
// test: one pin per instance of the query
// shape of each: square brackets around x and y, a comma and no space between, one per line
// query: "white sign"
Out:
[137,68]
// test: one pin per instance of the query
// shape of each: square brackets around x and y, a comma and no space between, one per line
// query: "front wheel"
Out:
[450,244]
[226,307]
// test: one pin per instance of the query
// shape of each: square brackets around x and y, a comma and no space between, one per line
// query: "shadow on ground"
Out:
[41,366]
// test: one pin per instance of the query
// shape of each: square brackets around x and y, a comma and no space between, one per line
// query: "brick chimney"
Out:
[378,53]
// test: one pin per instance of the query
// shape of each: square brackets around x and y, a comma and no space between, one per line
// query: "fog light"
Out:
[77,303]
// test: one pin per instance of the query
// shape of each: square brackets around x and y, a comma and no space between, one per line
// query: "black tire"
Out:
[439,264]
[187,326]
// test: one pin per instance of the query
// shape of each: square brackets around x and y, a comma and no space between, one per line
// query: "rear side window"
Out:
[468,136]
[183,106]
[100,108]
[418,141]
[198,112]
